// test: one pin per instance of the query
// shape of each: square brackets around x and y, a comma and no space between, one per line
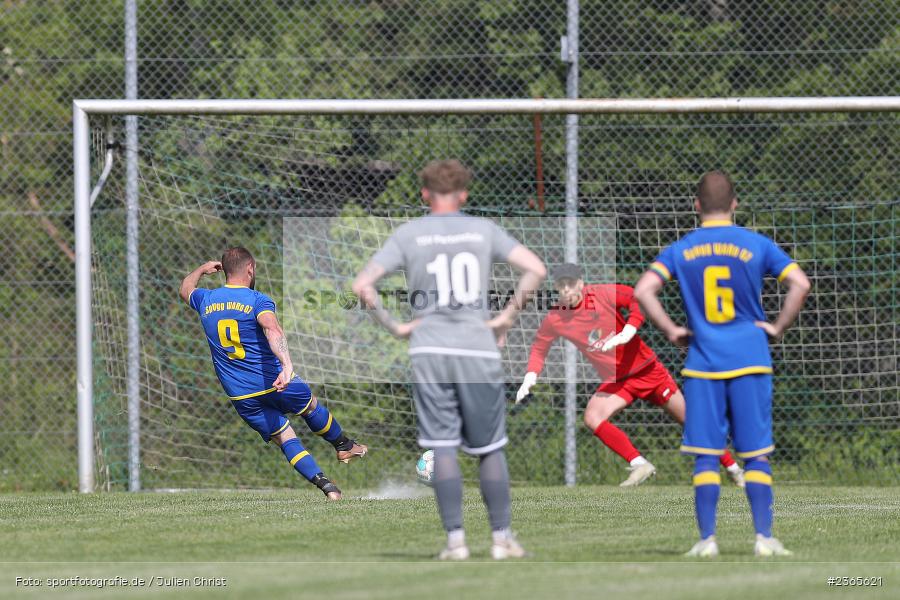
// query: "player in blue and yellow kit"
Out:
[250,355]
[728,370]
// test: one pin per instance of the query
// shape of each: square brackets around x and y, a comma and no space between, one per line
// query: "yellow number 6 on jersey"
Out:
[719,300]
[230,338]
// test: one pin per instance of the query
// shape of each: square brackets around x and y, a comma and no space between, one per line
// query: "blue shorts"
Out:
[265,414]
[739,407]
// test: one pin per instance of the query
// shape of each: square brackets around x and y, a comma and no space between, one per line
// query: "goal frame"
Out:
[84,109]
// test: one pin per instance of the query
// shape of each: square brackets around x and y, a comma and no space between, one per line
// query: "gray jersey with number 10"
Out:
[447,259]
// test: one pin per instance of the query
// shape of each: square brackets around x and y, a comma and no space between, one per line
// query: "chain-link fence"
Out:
[826,186]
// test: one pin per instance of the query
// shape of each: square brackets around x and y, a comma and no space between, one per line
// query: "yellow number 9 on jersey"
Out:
[719,300]
[230,338]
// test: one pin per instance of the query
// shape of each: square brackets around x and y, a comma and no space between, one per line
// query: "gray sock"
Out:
[448,487]
[494,476]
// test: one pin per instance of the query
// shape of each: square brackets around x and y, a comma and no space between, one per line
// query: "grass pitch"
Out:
[586,542]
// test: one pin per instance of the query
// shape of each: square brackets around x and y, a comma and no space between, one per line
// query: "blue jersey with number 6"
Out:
[244,362]
[720,268]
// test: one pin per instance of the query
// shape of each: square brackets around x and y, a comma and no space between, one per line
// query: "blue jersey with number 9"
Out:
[720,268]
[244,362]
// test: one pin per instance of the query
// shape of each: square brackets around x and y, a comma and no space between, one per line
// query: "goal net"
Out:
[313,197]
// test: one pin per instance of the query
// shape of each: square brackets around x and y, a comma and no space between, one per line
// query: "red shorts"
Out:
[653,383]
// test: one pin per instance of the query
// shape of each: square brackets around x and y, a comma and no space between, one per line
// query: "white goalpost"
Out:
[86,109]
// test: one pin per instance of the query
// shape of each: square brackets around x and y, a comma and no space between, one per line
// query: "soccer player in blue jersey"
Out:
[250,355]
[728,370]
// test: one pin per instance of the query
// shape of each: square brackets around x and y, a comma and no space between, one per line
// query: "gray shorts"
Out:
[460,402]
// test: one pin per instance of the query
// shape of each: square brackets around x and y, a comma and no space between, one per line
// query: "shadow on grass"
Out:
[423,556]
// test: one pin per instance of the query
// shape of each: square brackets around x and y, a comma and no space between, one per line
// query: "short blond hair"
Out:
[446,176]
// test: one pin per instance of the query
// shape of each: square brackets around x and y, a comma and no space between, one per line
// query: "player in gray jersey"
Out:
[458,380]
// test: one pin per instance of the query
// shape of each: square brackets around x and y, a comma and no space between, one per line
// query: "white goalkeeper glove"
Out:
[623,337]
[529,380]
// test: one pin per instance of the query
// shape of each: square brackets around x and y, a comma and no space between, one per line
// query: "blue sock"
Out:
[321,422]
[706,493]
[300,459]
[758,475]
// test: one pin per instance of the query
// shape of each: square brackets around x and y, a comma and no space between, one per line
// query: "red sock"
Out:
[726,460]
[616,440]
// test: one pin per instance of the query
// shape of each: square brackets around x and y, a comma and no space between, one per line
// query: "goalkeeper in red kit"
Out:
[590,317]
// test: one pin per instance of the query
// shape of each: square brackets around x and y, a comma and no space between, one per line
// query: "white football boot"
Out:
[456,546]
[707,548]
[769,546]
[639,475]
[506,546]
[455,553]
[737,476]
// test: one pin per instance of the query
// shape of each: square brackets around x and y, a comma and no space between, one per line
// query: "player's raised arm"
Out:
[189,283]
[647,293]
[278,343]
[533,274]
[623,296]
[798,289]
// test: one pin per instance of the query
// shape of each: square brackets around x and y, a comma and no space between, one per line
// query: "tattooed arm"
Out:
[364,288]
[278,343]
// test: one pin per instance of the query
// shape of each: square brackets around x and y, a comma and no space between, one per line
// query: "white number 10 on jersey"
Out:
[460,277]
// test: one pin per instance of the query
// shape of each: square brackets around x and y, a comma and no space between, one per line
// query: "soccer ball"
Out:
[425,468]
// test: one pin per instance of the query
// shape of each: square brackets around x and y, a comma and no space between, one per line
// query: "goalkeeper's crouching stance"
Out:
[250,355]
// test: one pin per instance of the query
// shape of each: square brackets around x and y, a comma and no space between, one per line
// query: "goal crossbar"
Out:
[494,106]
[82,109]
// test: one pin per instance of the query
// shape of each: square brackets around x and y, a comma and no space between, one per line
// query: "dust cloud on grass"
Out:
[394,489]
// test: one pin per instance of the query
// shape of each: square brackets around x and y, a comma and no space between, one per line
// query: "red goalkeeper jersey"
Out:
[588,325]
